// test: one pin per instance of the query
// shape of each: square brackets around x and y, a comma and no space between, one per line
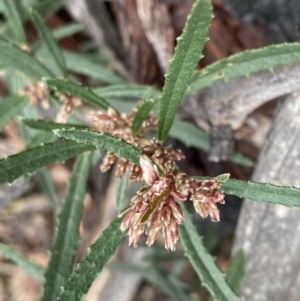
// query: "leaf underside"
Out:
[245,63]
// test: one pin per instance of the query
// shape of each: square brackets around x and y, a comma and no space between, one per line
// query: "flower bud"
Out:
[150,172]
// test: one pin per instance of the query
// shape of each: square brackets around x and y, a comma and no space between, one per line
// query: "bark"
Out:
[270,235]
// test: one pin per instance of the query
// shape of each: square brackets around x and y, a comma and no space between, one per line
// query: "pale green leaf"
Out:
[67,30]
[127,91]
[90,267]
[13,10]
[105,141]
[191,135]
[13,57]
[50,41]
[80,64]
[66,238]
[32,159]
[188,52]
[165,283]
[245,63]
[48,125]
[263,192]
[10,107]
[211,277]
[121,191]
[27,265]
[236,270]
[46,183]
[141,115]
[84,93]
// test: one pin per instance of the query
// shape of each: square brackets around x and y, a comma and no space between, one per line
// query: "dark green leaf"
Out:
[40,139]
[67,238]
[13,57]
[141,114]
[82,92]
[105,141]
[10,107]
[188,52]
[49,40]
[27,265]
[98,254]
[32,159]
[263,192]
[203,263]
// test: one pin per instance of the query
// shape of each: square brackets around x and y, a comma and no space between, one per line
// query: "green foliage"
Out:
[263,192]
[48,125]
[32,159]
[98,254]
[10,106]
[211,277]
[191,135]
[82,65]
[141,114]
[49,40]
[245,63]
[67,30]
[121,191]
[165,282]
[27,265]
[187,54]
[236,270]
[12,57]
[45,182]
[82,92]
[13,11]
[66,238]
[105,141]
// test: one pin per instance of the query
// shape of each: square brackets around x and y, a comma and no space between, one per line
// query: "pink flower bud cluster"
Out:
[155,208]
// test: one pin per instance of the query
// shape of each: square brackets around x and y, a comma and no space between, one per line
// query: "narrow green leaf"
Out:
[80,64]
[245,63]
[141,114]
[236,270]
[46,183]
[187,54]
[191,135]
[10,107]
[263,192]
[13,57]
[50,41]
[90,267]
[66,239]
[67,30]
[13,12]
[121,191]
[48,125]
[105,141]
[27,265]
[203,263]
[82,92]
[32,159]
[165,283]
[127,91]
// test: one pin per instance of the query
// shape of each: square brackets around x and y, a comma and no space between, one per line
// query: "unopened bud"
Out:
[150,172]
